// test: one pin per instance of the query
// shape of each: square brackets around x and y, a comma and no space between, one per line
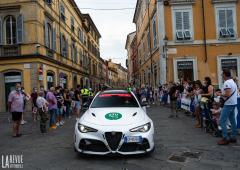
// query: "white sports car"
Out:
[115,122]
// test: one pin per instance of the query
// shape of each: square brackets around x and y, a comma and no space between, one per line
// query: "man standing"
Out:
[15,106]
[173,100]
[229,92]
[52,107]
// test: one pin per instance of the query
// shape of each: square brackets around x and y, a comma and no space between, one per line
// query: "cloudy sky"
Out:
[114,25]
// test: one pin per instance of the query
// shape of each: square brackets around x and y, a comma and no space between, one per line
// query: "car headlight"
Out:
[143,128]
[85,129]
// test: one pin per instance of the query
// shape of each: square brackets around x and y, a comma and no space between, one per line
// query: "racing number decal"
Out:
[113,116]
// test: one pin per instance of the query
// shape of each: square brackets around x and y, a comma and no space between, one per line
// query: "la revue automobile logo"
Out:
[12,161]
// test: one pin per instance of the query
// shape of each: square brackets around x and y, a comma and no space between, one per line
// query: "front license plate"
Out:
[133,139]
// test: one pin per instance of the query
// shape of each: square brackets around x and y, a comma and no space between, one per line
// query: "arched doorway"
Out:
[50,80]
[10,80]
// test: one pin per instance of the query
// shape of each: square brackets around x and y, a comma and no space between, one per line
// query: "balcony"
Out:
[223,1]
[174,2]
[9,50]
[50,53]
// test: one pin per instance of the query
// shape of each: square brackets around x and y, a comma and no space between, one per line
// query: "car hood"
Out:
[114,116]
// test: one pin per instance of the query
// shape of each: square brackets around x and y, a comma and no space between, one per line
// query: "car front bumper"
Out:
[112,142]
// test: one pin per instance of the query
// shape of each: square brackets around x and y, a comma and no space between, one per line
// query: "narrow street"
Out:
[188,147]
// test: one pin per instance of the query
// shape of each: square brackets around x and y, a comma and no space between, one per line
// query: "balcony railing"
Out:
[9,50]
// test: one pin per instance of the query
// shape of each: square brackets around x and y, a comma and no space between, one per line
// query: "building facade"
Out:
[200,38]
[132,61]
[195,38]
[45,42]
[147,41]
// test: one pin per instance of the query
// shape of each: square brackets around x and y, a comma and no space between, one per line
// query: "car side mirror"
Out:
[86,105]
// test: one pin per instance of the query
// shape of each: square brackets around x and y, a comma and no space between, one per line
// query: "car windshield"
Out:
[114,100]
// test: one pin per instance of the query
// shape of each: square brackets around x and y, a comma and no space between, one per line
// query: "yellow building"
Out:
[45,42]
[117,75]
[146,21]
[197,38]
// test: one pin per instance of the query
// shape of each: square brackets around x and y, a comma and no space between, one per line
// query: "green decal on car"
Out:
[113,116]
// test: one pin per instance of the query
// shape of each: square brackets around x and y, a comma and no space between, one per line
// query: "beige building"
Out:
[148,54]
[46,42]
[117,75]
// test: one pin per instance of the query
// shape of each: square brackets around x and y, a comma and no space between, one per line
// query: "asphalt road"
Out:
[178,146]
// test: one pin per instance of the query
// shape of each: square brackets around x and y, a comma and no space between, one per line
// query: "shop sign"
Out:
[13,79]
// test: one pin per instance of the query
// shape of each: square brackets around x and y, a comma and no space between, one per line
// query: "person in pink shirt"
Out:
[16,106]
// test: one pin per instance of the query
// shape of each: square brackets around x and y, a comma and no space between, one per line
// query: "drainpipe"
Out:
[204,32]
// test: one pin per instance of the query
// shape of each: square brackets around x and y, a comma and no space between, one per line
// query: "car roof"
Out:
[114,91]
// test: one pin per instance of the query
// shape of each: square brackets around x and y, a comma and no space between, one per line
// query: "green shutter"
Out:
[67,48]
[46,34]
[20,29]
[61,43]
[54,45]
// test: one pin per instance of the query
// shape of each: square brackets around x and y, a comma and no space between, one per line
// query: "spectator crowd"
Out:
[213,108]
[56,105]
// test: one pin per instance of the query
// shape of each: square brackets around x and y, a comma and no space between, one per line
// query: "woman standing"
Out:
[208,90]
[67,102]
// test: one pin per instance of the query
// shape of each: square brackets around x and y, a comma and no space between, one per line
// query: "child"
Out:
[216,110]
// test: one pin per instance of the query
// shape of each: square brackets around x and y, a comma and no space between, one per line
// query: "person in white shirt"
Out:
[229,92]
[42,105]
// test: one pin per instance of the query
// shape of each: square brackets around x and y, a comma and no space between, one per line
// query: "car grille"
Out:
[92,145]
[132,147]
[113,139]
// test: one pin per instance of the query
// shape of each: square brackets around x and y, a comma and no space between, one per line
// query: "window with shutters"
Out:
[80,35]
[226,22]
[72,24]
[62,13]
[64,46]
[74,51]
[183,24]
[154,28]
[81,58]
[10,30]
[50,35]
